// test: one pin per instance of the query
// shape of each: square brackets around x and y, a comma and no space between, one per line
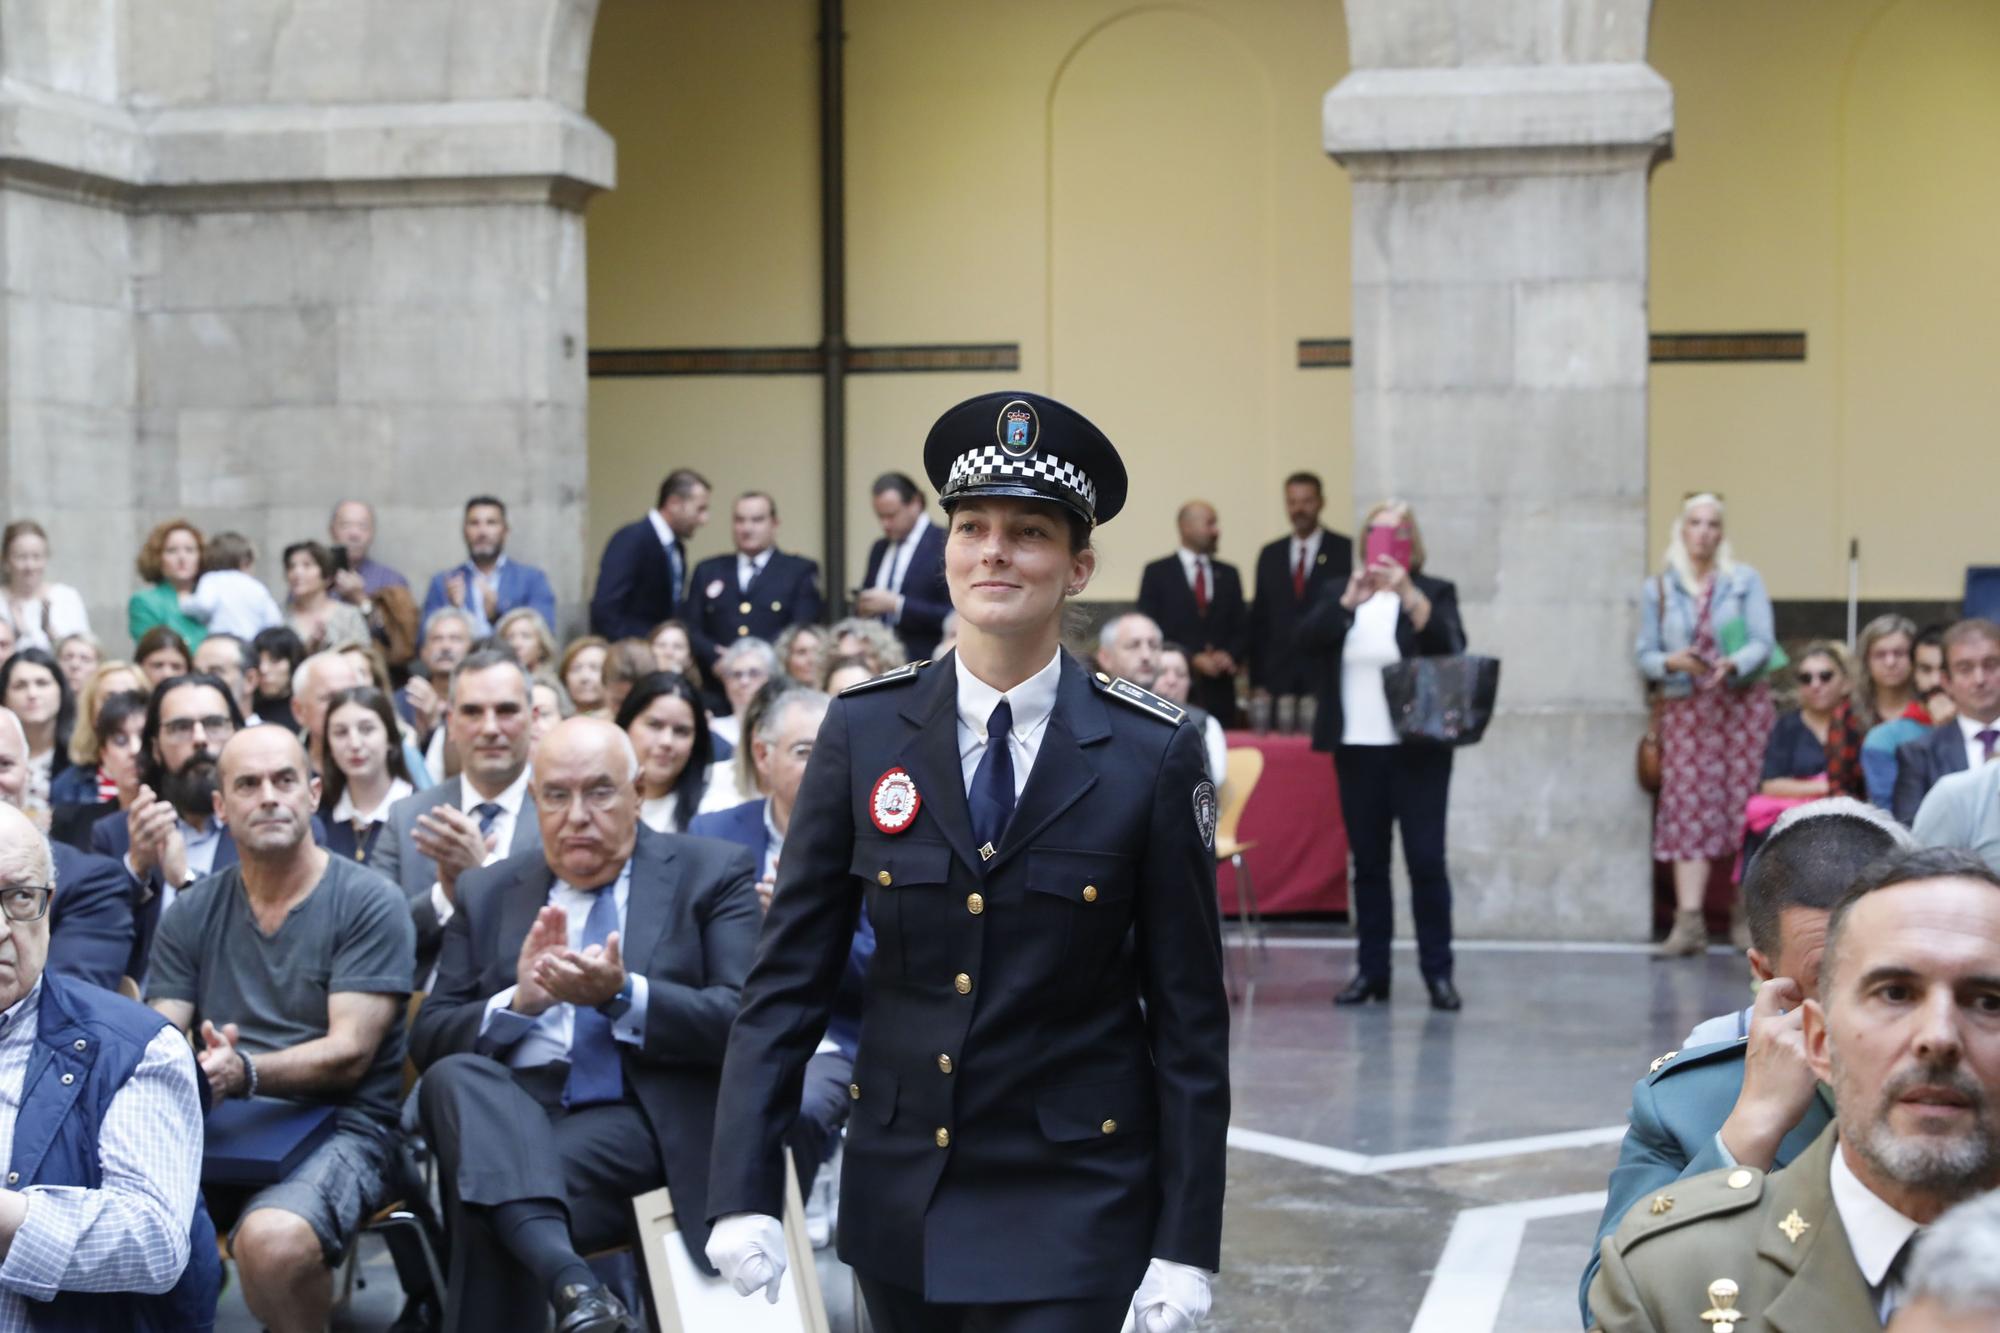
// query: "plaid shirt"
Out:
[131,1233]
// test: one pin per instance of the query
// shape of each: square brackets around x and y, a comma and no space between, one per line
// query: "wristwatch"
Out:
[620,1004]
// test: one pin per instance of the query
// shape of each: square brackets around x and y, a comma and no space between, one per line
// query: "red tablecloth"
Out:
[1299,863]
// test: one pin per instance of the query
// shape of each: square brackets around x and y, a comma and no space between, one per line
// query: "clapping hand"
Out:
[454,590]
[548,932]
[452,838]
[147,824]
[220,1063]
[587,978]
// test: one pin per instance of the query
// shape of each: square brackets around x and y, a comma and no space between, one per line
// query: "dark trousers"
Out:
[1382,786]
[823,1107]
[893,1309]
[502,1135]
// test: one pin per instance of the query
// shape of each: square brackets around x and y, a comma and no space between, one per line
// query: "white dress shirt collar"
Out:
[1876,1233]
[1309,545]
[660,528]
[1033,699]
[1975,751]
[1188,559]
[509,800]
[345,813]
[748,567]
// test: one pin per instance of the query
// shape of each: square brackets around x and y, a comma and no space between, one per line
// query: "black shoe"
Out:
[420,1315]
[581,1309]
[1363,989]
[1444,995]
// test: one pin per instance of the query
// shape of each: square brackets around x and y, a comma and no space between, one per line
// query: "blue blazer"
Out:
[784,593]
[926,599]
[90,917]
[520,585]
[1677,1110]
[1937,753]
[744,825]
[635,584]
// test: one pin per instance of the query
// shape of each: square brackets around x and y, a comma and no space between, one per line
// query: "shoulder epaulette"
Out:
[1690,1199]
[907,671]
[1142,699]
[1694,1057]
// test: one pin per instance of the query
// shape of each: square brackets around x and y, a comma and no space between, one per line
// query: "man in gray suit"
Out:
[1972,739]
[483,815]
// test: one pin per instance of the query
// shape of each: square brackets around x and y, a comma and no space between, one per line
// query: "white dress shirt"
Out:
[345,813]
[774,845]
[131,1232]
[544,1039]
[896,563]
[1190,561]
[1975,751]
[1876,1233]
[748,567]
[1033,700]
[44,622]
[1370,646]
[1306,546]
[502,831]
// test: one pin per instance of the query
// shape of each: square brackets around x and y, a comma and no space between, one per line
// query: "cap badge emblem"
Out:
[894,803]
[1018,429]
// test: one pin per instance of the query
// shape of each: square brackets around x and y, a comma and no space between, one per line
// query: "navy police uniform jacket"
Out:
[1041,1093]
[784,593]
[1677,1110]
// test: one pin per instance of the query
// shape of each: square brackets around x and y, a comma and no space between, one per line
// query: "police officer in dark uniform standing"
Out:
[1041,1093]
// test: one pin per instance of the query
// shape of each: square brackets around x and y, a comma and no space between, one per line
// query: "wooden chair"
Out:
[1245,765]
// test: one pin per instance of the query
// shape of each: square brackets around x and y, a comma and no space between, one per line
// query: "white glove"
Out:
[1172,1298]
[748,1249]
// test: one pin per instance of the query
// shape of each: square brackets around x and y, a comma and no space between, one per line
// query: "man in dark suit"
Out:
[905,582]
[642,577]
[483,815]
[487,585]
[756,591]
[1197,600]
[573,1044]
[1290,573]
[1972,681]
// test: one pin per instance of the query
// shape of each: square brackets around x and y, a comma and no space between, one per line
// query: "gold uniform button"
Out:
[742,630]
[1109,1127]
[883,878]
[1740,1179]
[1103,679]
[944,1064]
[943,1138]
[1090,893]
[743,608]
[854,1092]
[962,984]
[776,607]
[975,904]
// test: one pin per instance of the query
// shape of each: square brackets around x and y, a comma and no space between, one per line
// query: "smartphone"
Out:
[1392,542]
[339,559]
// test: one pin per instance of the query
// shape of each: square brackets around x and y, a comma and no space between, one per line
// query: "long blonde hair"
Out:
[1677,552]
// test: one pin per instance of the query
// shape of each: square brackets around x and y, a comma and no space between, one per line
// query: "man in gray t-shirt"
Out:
[294,966]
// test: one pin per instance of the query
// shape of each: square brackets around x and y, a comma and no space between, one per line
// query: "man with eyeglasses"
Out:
[101,1223]
[572,1046]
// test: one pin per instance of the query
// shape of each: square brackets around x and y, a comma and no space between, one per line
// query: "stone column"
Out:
[1500,153]
[263,254]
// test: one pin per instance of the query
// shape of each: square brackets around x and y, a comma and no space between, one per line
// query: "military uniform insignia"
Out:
[908,671]
[1654,1068]
[1017,429]
[1204,813]
[1142,699]
[1662,1203]
[894,803]
[1722,1316]
[1794,1226]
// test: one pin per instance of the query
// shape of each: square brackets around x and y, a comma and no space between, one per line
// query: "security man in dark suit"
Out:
[755,592]
[1041,1092]
[1290,573]
[1197,601]
[642,576]
[571,1045]
[905,581]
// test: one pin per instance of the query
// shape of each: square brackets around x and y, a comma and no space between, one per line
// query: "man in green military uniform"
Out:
[1907,1032]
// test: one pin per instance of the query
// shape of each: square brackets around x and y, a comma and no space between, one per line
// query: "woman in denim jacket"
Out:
[1717,711]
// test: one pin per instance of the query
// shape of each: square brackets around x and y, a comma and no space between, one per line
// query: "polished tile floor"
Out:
[1394,1168]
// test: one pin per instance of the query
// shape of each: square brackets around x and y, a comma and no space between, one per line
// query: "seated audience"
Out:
[745,667]
[736,780]
[1174,679]
[447,639]
[525,634]
[170,564]
[1972,736]
[1963,811]
[1796,755]
[296,963]
[229,596]
[581,671]
[572,1047]
[1130,646]
[41,613]
[107,759]
[1927,708]
[1739,1092]
[1883,684]
[1953,1285]
[279,652]
[1902,1031]
[800,648]
[79,655]
[102,1222]
[487,585]
[549,704]
[315,614]
[844,673]
[643,575]
[662,717]
[33,686]
[90,923]
[315,682]
[366,771]
[673,650]
[870,640]
[625,662]
[6,639]
[352,529]
[162,654]
[483,814]
[227,658]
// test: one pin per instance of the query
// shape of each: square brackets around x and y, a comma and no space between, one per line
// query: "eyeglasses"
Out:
[25,902]
[1816,677]
[598,796]
[183,727]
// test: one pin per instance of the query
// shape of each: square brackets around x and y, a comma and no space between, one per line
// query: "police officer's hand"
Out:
[748,1249]
[1778,1081]
[1172,1298]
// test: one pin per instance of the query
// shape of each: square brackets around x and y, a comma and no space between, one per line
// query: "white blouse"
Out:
[45,621]
[1371,645]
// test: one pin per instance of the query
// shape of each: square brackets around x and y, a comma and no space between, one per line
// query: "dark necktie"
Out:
[488,812]
[594,1073]
[1200,586]
[675,570]
[992,796]
[1987,740]
[1299,577]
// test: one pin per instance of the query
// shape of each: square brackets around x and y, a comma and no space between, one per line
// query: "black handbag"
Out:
[1442,700]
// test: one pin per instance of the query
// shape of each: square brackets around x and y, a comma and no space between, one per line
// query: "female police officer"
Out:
[1041,1092]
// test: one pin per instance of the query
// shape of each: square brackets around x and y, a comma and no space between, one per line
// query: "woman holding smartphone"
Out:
[1717,712]
[1389,610]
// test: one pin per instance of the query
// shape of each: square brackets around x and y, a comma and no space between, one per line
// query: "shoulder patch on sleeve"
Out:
[907,671]
[1138,697]
[1695,1057]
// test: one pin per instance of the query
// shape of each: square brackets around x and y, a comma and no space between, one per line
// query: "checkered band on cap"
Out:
[979,465]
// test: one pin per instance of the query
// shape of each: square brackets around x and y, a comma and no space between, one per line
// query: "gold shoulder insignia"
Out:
[907,671]
[1140,698]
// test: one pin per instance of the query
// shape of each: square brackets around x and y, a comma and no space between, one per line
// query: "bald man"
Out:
[297,965]
[573,1042]
[1197,601]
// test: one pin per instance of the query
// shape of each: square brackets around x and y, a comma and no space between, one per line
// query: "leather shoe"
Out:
[1363,989]
[581,1309]
[1444,995]
[420,1315]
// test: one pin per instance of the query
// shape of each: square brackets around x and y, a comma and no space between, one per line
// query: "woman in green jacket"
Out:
[170,564]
